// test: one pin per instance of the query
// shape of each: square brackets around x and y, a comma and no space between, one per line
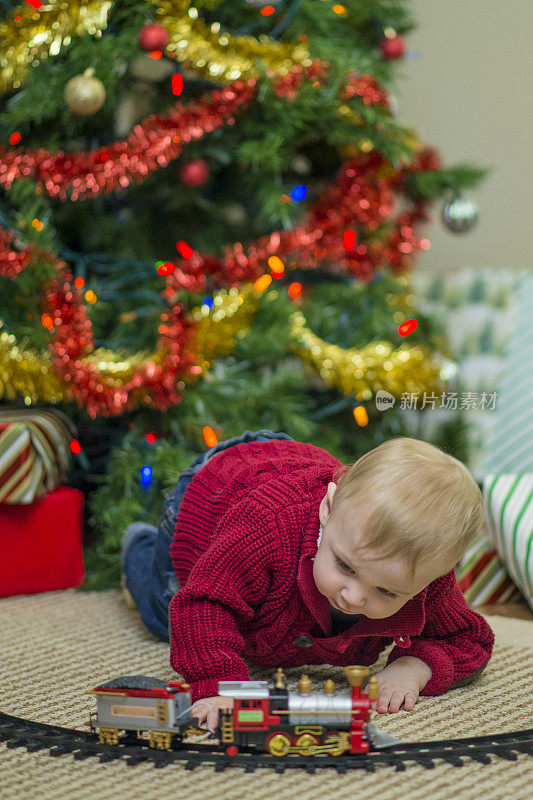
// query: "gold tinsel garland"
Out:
[43,33]
[364,371]
[39,34]
[358,371]
[215,332]
[218,55]
[26,373]
[218,328]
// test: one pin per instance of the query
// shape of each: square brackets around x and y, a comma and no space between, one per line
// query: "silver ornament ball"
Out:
[459,214]
[301,165]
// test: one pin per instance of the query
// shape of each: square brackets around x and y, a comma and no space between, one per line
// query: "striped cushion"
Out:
[34,453]
[508,504]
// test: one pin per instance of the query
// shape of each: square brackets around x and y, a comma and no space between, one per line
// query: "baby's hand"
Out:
[207,709]
[398,684]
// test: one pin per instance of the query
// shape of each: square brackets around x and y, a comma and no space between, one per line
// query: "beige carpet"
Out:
[56,645]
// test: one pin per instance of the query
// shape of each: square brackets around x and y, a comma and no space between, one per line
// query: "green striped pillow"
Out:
[508,504]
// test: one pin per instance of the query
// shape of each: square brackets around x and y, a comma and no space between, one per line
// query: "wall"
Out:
[470,95]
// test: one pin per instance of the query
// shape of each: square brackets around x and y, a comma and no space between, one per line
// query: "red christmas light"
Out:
[177,83]
[349,239]
[166,269]
[407,327]
[184,249]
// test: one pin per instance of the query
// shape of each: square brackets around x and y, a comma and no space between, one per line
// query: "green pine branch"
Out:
[431,185]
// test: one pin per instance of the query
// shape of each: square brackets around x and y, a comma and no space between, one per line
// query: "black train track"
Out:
[16,732]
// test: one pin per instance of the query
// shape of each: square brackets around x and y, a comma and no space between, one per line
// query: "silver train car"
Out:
[138,704]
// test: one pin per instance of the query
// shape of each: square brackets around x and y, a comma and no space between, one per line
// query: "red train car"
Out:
[306,722]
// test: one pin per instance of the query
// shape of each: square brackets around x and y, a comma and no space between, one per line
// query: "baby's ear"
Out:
[326,504]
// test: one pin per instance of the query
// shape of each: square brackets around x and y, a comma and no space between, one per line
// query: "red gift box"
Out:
[41,544]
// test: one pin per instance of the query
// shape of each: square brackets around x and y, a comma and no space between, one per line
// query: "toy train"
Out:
[272,720]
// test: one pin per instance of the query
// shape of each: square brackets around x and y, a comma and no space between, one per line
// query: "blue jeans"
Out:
[146,562]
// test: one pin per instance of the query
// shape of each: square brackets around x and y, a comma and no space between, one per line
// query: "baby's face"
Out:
[359,582]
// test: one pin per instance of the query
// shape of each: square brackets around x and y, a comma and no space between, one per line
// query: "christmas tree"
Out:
[208,216]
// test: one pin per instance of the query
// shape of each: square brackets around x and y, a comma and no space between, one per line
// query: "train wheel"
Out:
[278,744]
[108,735]
[337,743]
[306,743]
[160,740]
[231,750]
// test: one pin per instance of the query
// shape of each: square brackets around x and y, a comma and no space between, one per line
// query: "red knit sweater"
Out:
[243,550]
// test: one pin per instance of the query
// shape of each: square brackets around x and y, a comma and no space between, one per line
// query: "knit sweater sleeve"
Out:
[455,641]
[224,587]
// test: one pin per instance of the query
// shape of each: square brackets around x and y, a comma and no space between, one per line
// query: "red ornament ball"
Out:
[195,173]
[392,48]
[153,37]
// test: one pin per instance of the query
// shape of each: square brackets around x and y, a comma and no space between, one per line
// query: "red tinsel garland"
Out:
[360,195]
[12,262]
[151,145]
[158,139]
[357,197]
[152,384]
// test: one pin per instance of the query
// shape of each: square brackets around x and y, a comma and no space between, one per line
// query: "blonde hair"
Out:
[417,502]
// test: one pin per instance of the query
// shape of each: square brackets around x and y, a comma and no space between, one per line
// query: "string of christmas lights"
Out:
[361,196]
[237,266]
[104,382]
[108,384]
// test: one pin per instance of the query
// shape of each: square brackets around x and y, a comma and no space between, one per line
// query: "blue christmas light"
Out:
[298,193]
[207,301]
[146,477]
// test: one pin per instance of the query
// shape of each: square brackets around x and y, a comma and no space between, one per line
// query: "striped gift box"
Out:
[510,443]
[483,577]
[508,505]
[34,453]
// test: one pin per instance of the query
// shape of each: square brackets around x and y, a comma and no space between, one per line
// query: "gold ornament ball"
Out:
[85,94]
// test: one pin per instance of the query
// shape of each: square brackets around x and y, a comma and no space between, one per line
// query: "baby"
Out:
[287,557]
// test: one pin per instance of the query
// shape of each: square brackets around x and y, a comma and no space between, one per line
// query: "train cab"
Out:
[251,704]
